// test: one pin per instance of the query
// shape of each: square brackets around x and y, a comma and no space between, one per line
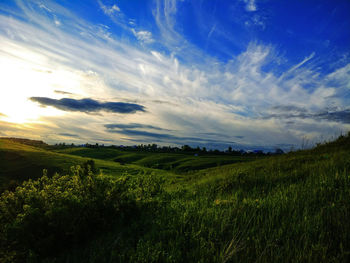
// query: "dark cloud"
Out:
[212,134]
[220,135]
[133,126]
[137,130]
[88,105]
[63,92]
[68,135]
[204,140]
[285,145]
[163,137]
[288,108]
[338,116]
[143,133]
[105,140]
[291,112]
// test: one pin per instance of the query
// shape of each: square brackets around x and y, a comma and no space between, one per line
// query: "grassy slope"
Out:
[289,208]
[19,162]
[176,162]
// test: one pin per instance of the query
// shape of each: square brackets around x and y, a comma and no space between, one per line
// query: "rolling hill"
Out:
[175,162]
[22,161]
[287,208]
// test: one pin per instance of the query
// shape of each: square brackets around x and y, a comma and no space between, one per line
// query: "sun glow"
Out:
[25,75]
[20,82]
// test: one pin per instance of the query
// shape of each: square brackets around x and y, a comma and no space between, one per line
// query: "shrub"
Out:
[146,187]
[45,216]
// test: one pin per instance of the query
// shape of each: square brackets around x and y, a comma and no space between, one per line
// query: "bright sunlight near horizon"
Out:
[26,73]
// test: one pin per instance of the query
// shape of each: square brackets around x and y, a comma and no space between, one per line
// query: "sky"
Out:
[248,74]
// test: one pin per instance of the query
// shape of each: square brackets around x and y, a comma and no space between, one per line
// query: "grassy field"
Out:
[175,162]
[20,162]
[289,208]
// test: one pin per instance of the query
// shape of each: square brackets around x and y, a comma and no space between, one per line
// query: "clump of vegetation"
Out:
[44,217]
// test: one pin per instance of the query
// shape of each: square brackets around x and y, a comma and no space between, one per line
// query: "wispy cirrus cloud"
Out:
[128,24]
[164,14]
[143,36]
[109,10]
[200,101]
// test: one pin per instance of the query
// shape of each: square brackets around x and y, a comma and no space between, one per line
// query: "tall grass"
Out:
[289,208]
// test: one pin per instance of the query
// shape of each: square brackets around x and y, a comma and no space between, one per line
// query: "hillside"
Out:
[22,161]
[175,162]
[287,208]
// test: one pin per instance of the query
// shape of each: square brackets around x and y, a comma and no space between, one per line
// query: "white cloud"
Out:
[211,31]
[295,67]
[143,36]
[250,5]
[165,17]
[57,22]
[41,5]
[109,10]
[226,98]
[132,22]
[256,21]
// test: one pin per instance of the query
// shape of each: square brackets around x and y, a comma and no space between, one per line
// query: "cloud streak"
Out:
[133,126]
[63,92]
[293,112]
[88,105]
[145,136]
[69,135]
[142,131]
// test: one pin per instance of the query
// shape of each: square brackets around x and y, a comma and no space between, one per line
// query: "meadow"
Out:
[106,205]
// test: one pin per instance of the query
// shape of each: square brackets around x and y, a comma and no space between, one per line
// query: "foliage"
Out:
[43,217]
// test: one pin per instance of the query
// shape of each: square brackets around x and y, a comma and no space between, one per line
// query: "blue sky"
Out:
[244,73]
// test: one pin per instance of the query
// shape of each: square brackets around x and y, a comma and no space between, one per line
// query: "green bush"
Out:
[43,217]
[146,187]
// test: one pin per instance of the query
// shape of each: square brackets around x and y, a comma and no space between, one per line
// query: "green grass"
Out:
[175,162]
[20,162]
[289,208]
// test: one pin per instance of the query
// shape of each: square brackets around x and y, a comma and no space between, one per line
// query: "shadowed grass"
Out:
[175,162]
[288,208]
